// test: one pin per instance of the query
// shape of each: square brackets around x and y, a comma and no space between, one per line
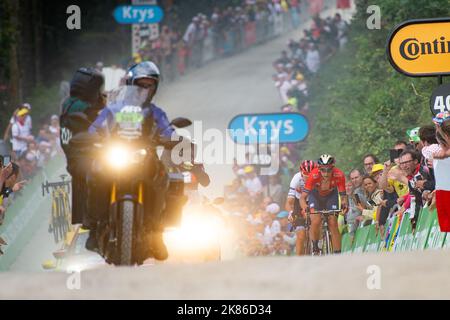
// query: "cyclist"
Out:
[293,203]
[322,190]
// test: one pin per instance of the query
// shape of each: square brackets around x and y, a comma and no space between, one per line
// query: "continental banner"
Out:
[421,48]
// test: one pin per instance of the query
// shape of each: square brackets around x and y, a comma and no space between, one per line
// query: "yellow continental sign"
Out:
[421,48]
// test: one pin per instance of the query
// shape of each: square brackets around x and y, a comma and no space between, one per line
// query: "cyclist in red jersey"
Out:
[321,192]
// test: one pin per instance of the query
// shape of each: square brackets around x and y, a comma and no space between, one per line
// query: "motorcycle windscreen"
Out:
[126,104]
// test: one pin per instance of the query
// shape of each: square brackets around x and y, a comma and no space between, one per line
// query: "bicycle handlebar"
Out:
[48,185]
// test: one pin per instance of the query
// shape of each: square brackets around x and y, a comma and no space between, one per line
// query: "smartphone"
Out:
[358,200]
[6,160]
[394,154]
[371,203]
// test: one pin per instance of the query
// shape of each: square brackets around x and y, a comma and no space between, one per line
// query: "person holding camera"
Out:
[420,179]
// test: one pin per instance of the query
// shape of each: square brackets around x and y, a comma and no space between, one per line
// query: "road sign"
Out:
[269,128]
[138,14]
[141,33]
[440,99]
[421,48]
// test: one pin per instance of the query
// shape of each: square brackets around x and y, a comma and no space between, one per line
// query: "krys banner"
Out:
[268,128]
[421,48]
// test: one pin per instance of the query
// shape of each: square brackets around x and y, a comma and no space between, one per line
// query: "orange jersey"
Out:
[316,181]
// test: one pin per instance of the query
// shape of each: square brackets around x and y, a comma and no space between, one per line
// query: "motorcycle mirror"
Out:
[181,122]
[219,201]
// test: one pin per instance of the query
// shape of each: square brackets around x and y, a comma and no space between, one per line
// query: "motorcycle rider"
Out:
[146,75]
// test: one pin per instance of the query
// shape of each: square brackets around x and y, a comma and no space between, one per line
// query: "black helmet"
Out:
[143,70]
[87,84]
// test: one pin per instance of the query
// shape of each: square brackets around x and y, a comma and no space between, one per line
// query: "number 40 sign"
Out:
[440,99]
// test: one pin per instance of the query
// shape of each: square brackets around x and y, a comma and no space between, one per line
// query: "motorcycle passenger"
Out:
[78,111]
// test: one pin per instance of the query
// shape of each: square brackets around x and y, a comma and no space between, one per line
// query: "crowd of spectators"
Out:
[29,153]
[302,59]
[226,31]
[405,182]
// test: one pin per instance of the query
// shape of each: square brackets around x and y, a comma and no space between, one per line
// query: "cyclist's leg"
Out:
[300,230]
[333,204]
[300,243]
[316,219]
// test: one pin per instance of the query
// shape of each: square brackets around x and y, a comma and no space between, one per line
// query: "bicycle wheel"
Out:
[308,244]
[53,221]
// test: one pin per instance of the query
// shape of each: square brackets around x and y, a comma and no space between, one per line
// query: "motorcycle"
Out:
[126,161]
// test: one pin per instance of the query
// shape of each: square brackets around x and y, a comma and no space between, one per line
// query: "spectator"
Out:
[21,133]
[427,136]
[275,189]
[389,195]
[419,178]
[54,126]
[342,30]
[369,161]
[357,199]
[441,164]
[414,138]
[8,182]
[28,121]
[312,58]
[375,199]
[253,185]
[284,59]
[393,178]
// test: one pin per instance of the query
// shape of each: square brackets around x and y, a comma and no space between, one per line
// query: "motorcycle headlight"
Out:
[118,156]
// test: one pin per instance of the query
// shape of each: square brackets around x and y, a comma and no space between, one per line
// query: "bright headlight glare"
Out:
[118,156]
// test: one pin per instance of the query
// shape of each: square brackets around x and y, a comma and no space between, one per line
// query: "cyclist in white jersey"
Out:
[293,203]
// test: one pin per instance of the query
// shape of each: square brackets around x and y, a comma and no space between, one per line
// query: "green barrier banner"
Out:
[360,239]
[373,240]
[446,244]
[422,230]
[346,246]
[403,233]
[436,238]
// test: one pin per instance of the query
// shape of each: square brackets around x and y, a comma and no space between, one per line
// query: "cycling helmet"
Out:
[87,84]
[307,166]
[143,70]
[326,160]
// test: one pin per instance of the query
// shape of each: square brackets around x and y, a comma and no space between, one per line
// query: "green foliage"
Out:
[45,101]
[360,104]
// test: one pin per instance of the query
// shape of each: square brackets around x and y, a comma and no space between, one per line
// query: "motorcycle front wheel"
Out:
[126,233]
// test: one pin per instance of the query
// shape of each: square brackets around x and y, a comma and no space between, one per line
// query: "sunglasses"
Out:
[406,162]
[326,169]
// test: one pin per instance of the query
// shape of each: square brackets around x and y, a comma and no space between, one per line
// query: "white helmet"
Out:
[325,160]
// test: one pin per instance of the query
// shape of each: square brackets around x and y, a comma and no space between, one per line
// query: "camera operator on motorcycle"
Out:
[78,111]
[144,77]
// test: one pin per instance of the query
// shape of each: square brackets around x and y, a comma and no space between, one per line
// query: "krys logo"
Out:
[138,14]
[419,48]
[268,128]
